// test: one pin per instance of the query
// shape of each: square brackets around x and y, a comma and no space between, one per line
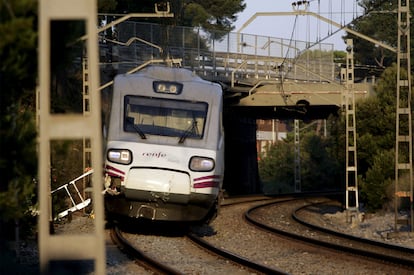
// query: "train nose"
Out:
[156,181]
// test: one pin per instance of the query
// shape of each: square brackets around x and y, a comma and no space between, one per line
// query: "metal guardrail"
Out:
[228,57]
[77,203]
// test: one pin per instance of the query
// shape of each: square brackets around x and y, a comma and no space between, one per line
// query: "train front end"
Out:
[165,148]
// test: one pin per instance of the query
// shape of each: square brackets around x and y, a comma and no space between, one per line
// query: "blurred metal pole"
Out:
[69,126]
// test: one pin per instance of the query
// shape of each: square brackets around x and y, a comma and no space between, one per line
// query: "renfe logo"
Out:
[154,155]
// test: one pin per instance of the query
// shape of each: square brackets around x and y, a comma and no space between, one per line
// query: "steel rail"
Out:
[233,256]
[145,260]
[388,257]
[341,248]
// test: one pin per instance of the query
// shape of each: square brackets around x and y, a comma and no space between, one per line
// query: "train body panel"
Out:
[165,147]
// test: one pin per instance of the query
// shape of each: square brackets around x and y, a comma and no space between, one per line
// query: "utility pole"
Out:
[403,132]
[351,179]
[298,186]
[86,142]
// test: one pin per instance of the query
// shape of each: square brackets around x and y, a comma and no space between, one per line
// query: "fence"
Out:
[218,56]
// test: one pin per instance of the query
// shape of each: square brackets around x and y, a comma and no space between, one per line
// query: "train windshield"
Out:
[164,117]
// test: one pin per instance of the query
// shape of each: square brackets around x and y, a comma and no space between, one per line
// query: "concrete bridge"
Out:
[266,77]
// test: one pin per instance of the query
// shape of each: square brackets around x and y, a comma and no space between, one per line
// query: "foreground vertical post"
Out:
[69,126]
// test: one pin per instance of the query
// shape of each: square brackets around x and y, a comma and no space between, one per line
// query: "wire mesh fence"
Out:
[216,55]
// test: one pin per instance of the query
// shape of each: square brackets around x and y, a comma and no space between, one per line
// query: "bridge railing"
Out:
[220,56]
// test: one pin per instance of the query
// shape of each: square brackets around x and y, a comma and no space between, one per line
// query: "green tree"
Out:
[277,168]
[18,43]
[376,141]
[66,68]
[106,6]
[375,187]
[18,166]
[376,121]
[340,57]
[217,15]
[320,166]
[379,22]
[212,15]
[320,161]
[18,162]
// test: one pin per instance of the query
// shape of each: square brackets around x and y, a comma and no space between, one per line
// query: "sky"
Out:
[304,28]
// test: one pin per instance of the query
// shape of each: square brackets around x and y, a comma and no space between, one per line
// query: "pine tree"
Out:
[18,161]
[380,23]
[212,15]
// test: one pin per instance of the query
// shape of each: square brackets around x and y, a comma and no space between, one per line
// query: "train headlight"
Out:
[201,164]
[121,156]
[167,87]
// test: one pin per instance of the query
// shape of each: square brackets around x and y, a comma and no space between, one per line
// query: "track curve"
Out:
[138,255]
[329,239]
[371,248]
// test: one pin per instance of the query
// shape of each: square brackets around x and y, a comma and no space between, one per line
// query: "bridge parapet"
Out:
[227,57]
[260,71]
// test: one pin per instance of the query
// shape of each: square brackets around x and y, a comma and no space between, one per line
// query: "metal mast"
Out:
[87,150]
[297,157]
[351,148]
[403,133]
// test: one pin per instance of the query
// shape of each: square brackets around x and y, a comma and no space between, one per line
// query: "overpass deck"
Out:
[256,71]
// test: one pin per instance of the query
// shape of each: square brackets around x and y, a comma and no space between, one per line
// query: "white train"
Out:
[165,146]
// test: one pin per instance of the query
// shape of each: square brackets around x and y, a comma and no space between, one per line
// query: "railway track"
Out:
[141,258]
[189,253]
[211,249]
[362,246]
[288,254]
[296,227]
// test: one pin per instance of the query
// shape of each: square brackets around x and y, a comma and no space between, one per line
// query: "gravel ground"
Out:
[185,256]
[294,258]
[378,226]
[28,262]
[233,233]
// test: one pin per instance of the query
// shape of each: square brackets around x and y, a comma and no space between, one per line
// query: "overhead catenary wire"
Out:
[281,66]
[283,71]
